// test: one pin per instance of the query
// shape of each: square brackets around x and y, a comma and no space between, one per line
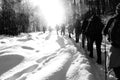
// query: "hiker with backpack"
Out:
[113,31]
[94,34]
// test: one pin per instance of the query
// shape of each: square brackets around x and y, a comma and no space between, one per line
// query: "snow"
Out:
[48,56]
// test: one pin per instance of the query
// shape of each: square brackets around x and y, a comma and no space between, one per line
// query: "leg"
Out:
[64,32]
[98,42]
[61,32]
[69,35]
[77,37]
[57,32]
[83,40]
[91,47]
[88,43]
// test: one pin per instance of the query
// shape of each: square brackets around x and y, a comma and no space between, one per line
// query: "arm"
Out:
[84,26]
[105,31]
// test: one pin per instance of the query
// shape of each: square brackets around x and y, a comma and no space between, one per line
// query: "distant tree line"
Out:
[102,6]
[15,17]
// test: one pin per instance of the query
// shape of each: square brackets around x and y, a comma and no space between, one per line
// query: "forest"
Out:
[19,16]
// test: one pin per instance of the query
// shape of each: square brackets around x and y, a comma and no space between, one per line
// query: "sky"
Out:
[53,11]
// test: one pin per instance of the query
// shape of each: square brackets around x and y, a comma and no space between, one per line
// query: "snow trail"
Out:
[47,57]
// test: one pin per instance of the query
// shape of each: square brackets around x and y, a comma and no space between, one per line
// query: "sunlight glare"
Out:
[52,10]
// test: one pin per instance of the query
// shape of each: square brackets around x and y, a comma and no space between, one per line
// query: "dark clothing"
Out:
[77,30]
[83,40]
[94,34]
[70,30]
[106,29]
[97,41]
[113,23]
[111,30]
[63,30]
[95,27]
[114,57]
[77,26]
[83,28]
[44,29]
[115,32]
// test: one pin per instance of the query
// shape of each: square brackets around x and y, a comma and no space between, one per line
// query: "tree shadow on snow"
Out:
[7,62]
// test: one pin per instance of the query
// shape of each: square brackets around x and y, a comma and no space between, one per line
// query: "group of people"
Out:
[92,30]
[58,28]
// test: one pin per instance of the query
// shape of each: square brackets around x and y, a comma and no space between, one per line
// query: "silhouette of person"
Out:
[57,29]
[112,27]
[77,30]
[44,29]
[63,29]
[83,28]
[70,29]
[94,34]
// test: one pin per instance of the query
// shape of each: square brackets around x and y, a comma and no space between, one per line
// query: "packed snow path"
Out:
[48,56]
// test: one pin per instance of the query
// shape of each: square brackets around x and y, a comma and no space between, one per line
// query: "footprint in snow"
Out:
[23,78]
[2,42]
[24,40]
[26,47]
[41,59]
[37,51]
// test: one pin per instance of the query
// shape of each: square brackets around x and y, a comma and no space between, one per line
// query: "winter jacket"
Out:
[95,27]
[84,26]
[77,27]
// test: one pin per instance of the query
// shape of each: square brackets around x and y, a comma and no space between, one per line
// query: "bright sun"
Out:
[52,10]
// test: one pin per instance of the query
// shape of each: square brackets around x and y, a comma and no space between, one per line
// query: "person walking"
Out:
[63,29]
[77,30]
[94,34]
[70,29]
[83,28]
[57,29]
[113,31]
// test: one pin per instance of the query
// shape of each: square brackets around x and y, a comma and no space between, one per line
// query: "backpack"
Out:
[114,33]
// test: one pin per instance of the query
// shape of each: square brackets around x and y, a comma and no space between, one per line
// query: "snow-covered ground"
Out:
[48,56]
